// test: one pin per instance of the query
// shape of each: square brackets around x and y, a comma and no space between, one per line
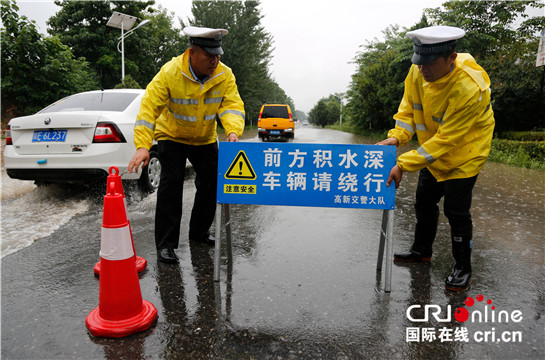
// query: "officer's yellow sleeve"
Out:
[404,126]
[231,111]
[153,104]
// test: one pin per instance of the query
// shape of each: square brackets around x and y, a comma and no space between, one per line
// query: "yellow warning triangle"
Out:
[241,168]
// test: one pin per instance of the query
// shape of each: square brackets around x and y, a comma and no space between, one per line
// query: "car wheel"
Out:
[149,180]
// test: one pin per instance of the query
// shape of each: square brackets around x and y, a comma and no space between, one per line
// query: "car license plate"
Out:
[275,132]
[49,135]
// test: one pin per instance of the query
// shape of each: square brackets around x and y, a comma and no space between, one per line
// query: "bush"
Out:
[527,154]
[522,135]
[128,83]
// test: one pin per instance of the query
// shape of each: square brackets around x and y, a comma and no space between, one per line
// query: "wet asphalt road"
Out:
[302,284]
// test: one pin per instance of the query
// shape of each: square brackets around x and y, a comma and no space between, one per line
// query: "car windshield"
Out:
[99,101]
[275,112]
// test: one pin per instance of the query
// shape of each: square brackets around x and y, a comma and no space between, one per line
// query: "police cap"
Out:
[207,39]
[431,42]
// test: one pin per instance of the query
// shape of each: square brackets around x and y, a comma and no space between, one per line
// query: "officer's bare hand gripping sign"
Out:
[179,111]
[447,105]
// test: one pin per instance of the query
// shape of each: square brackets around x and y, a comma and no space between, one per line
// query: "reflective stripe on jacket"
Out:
[177,107]
[452,118]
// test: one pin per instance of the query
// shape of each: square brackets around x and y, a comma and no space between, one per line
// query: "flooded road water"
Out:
[30,213]
[302,284]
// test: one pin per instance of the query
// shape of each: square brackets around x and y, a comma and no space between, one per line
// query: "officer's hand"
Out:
[140,157]
[395,174]
[389,141]
[232,137]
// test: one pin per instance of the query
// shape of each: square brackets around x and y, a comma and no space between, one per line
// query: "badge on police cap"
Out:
[206,38]
[431,42]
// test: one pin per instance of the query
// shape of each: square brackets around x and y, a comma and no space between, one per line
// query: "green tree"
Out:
[507,52]
[377,86]
[36,71]
[247,47]
[82,26]
[318,114]
[128,83]
[326,111]
[333,103]
[158,43]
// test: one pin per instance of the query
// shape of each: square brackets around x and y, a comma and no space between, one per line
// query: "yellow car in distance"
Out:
[275,122]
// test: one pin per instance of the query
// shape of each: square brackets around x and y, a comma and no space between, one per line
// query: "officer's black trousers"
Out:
[457,205]
[168,215]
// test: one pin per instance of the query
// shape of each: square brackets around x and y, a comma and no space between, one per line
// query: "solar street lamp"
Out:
[124,22]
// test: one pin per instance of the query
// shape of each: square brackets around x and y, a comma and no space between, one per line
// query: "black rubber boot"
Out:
[424,235]
[412,256]
[460,278]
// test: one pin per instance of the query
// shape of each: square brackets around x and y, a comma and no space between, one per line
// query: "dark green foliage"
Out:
[36,71]
[156,44]
[326,112]
[82,26]
[534,149]
[128,83]
[377,86]
[528,154]
[248,49]
[522,135]
[505,50]
[83,52]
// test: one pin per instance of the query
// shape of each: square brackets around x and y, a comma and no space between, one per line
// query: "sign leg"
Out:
[217,250]
[382,239]
[227,215]
[389,251]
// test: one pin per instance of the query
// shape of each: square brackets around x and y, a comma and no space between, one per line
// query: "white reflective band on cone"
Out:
[116,243]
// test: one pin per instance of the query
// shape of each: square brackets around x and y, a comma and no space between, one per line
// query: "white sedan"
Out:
[77,140]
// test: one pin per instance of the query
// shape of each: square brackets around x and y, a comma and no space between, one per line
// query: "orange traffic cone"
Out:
[121,310]
[140,261]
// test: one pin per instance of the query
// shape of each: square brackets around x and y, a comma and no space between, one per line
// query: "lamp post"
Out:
[124,22]
[340,96]
[341,118]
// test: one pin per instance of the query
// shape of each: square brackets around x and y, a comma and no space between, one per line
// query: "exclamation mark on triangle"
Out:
[240,168]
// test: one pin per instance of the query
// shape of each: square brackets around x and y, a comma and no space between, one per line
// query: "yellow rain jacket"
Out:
[179,108]
[452,118]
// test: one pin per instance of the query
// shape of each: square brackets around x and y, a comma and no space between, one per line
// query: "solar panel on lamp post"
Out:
[124,22]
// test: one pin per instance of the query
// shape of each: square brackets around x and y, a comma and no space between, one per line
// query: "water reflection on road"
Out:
[307,274]
[302,283]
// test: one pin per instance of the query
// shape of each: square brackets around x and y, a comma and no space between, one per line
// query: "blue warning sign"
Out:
[301,174]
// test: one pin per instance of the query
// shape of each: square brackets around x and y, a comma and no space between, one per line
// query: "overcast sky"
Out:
[314,40]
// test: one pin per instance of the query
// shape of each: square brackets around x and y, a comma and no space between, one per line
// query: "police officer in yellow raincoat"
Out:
[179,111]
[446,103]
